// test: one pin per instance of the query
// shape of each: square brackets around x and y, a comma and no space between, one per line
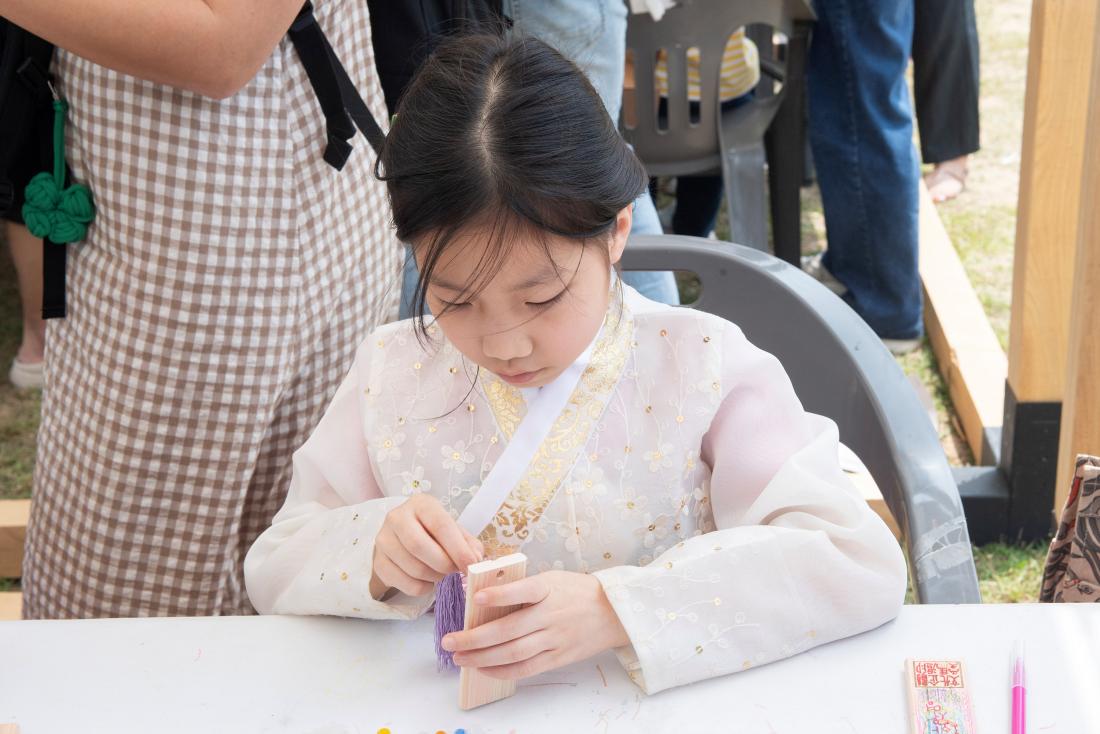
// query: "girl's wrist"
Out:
[616,632]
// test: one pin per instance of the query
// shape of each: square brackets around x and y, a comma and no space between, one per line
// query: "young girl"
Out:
[675,502]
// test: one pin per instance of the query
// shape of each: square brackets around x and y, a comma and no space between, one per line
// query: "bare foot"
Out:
[947,180]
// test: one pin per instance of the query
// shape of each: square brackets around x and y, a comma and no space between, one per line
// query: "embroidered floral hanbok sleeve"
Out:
[797,559]
[316,556]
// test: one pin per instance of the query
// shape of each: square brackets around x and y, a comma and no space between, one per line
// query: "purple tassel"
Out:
[450,615]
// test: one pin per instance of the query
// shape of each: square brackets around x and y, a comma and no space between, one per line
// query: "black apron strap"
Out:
[354,104]
[309,42]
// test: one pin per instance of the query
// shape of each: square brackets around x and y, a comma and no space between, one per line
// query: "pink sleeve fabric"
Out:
[316,556]
[797,559]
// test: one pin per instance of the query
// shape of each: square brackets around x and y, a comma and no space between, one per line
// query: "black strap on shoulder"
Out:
[354,104]
[340,102]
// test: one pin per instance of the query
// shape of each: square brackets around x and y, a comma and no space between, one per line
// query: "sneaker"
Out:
[814,266]
[26,375]
[899,347]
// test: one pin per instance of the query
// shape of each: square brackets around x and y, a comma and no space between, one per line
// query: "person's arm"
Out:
[213,47]
[340,546]
[317,556]
[798,558]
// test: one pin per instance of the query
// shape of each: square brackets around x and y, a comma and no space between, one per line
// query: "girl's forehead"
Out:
[522,263]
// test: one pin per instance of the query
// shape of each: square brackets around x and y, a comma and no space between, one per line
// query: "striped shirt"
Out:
[740,70]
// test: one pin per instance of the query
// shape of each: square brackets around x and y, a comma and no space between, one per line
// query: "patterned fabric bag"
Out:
[1072,570]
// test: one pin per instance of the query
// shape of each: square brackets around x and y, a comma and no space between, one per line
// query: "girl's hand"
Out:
[420,543]
[569,619]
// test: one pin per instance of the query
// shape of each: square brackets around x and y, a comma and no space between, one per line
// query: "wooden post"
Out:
[14,515]
[1080,429]
[1062,36]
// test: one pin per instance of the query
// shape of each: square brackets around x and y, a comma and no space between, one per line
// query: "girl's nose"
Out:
[507,345]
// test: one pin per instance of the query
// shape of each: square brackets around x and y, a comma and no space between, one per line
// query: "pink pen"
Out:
[1019,691]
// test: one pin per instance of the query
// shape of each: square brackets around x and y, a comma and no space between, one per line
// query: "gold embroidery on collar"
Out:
[507,403]
[558,453]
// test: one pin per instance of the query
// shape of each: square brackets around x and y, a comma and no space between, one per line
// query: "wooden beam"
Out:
[11,606]
[14,515]
[1049,198]
[1080,430]
[970,358]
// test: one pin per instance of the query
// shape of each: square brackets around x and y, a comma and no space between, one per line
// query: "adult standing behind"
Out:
[945,88]
[861,131]
[213,307]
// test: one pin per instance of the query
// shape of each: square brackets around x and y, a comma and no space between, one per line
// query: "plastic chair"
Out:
[839,369]
[731,141]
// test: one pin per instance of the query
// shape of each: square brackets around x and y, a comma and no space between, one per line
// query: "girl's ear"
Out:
[620,232]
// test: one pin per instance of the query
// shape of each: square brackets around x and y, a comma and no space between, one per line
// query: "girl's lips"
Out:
[519,378]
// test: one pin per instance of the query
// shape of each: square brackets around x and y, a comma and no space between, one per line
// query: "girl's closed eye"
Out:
[548,302]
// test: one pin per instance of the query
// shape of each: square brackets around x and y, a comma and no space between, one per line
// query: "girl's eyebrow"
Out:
[544,276]
[445,285]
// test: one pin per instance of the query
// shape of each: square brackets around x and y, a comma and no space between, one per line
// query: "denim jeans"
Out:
[861,131]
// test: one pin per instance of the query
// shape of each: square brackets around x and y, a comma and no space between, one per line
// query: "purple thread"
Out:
[450,616]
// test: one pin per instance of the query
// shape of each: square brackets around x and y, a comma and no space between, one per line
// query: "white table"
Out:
[314,675]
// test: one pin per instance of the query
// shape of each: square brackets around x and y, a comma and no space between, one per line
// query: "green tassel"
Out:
[50,211]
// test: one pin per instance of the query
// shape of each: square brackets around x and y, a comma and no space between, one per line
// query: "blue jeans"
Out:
[861,131]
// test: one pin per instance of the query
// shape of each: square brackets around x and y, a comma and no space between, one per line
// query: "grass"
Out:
[1010,573]
[982,222]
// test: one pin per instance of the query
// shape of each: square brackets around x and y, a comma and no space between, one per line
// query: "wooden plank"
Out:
[870,492]
[474,688]
[1080,429]
[970,358]
[11,606]
[14,515]
[1050,199]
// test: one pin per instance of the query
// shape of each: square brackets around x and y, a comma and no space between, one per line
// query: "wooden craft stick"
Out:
[475,689]
[939,699]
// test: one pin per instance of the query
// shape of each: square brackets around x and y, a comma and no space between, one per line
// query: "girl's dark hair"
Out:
[507,134]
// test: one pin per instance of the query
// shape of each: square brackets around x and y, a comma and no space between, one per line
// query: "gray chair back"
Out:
[839,369]
[684,147]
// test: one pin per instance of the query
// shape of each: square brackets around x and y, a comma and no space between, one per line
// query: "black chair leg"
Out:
[785,142]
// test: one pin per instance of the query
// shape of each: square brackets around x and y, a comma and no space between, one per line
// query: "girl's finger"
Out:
[395,578]
[475,544]
[513,651]
[447,533]
[530,590]
[410,564]
[500,631]
[418,543]
[540,663]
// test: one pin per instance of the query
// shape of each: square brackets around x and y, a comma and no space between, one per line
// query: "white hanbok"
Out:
[683,473]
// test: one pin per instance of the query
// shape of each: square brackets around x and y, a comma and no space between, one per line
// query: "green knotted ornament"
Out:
[51,211]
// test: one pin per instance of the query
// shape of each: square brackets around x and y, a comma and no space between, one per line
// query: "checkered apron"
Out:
[212,312]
